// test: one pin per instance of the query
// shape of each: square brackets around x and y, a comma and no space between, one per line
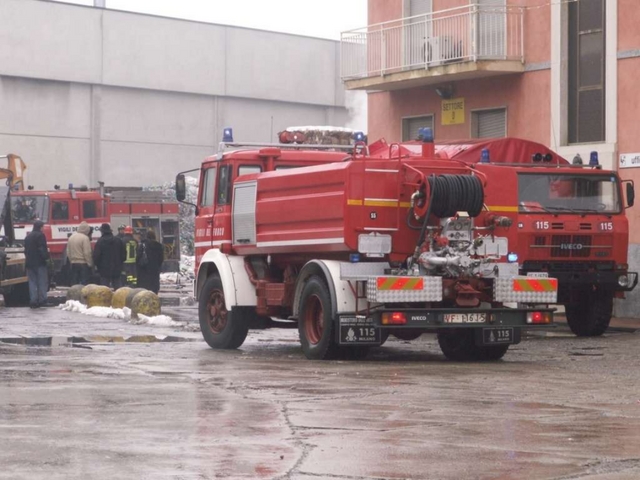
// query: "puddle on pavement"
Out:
[83,342]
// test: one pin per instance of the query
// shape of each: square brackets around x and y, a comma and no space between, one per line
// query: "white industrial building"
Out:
[90,94]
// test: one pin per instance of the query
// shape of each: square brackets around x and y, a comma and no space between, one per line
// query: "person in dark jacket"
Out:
[37,256]
[149,260]
[108,257]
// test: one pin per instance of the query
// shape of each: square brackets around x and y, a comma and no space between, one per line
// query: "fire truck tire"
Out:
[315,321]
[592,316]
[222,329]
[460,346]
[407,334]
[17,296]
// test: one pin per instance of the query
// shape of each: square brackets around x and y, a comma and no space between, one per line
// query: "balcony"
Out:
[461,43]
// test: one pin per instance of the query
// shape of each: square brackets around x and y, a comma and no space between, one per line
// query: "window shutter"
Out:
[411,126]
[419,7]
[490,123]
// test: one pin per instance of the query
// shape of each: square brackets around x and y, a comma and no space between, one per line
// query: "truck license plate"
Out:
[359,330]
[465,317]
[493,336]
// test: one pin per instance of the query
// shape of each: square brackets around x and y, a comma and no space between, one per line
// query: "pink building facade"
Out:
[564,74]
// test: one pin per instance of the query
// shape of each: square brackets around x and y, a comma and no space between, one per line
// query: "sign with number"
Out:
[453,111]
[630,160]
[541,225]
[358,330]
[605,226]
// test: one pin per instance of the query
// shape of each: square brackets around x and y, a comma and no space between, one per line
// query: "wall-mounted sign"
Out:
[452,111]
[630,160]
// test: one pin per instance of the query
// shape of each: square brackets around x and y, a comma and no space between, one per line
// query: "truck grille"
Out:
[566,267]
[565,246]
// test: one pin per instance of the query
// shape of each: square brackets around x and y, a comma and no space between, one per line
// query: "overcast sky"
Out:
[326,18]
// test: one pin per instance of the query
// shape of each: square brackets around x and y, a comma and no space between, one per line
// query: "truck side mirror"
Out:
[631,194]
[181,187]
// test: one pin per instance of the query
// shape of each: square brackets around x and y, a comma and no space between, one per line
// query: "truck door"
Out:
[221,233]
[206,204]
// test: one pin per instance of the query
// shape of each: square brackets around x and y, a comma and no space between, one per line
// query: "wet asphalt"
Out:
[107,399]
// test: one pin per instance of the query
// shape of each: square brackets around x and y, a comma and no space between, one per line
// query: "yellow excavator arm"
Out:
[16,166]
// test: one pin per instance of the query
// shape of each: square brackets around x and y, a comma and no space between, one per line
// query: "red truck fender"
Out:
[342,295]
[238,289]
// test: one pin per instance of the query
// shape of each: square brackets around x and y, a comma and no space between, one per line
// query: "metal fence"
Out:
[470,33]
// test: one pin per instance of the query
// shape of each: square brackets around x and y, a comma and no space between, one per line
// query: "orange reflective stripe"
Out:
[535,285]
[400,283]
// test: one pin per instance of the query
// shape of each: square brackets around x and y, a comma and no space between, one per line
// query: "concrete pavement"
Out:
[556,407]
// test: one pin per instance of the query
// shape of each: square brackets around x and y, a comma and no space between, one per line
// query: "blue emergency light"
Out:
[358,136]
[593,159]
[425,134]
[227,135]
[485,157]
[512,257]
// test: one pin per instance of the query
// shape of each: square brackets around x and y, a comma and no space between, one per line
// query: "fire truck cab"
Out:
[568,220]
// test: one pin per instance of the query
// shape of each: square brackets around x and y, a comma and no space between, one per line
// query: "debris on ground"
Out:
[120,314]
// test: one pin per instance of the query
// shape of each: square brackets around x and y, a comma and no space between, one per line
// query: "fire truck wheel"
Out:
[18,296]
[460,346]
[221,328]
[315,322]
[407,334]
[591,317]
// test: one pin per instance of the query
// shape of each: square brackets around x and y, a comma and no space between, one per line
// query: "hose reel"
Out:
[445,196]
[448,194]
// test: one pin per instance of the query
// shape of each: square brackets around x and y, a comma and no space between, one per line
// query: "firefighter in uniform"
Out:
[130,247]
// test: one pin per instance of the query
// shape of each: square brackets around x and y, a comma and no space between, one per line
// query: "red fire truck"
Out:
[569,220]
[349,248]
[63,210]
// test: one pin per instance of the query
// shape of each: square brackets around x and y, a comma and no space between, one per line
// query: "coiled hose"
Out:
[456,193]
[449,194]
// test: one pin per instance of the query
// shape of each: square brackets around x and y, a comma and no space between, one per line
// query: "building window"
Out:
[586,121]
[489,123]
[411,125]
[417,33]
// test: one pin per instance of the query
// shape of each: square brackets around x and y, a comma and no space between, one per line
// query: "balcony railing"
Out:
[465,34]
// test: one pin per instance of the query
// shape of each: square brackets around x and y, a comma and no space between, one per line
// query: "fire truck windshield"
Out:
[28,209]
[567,193]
